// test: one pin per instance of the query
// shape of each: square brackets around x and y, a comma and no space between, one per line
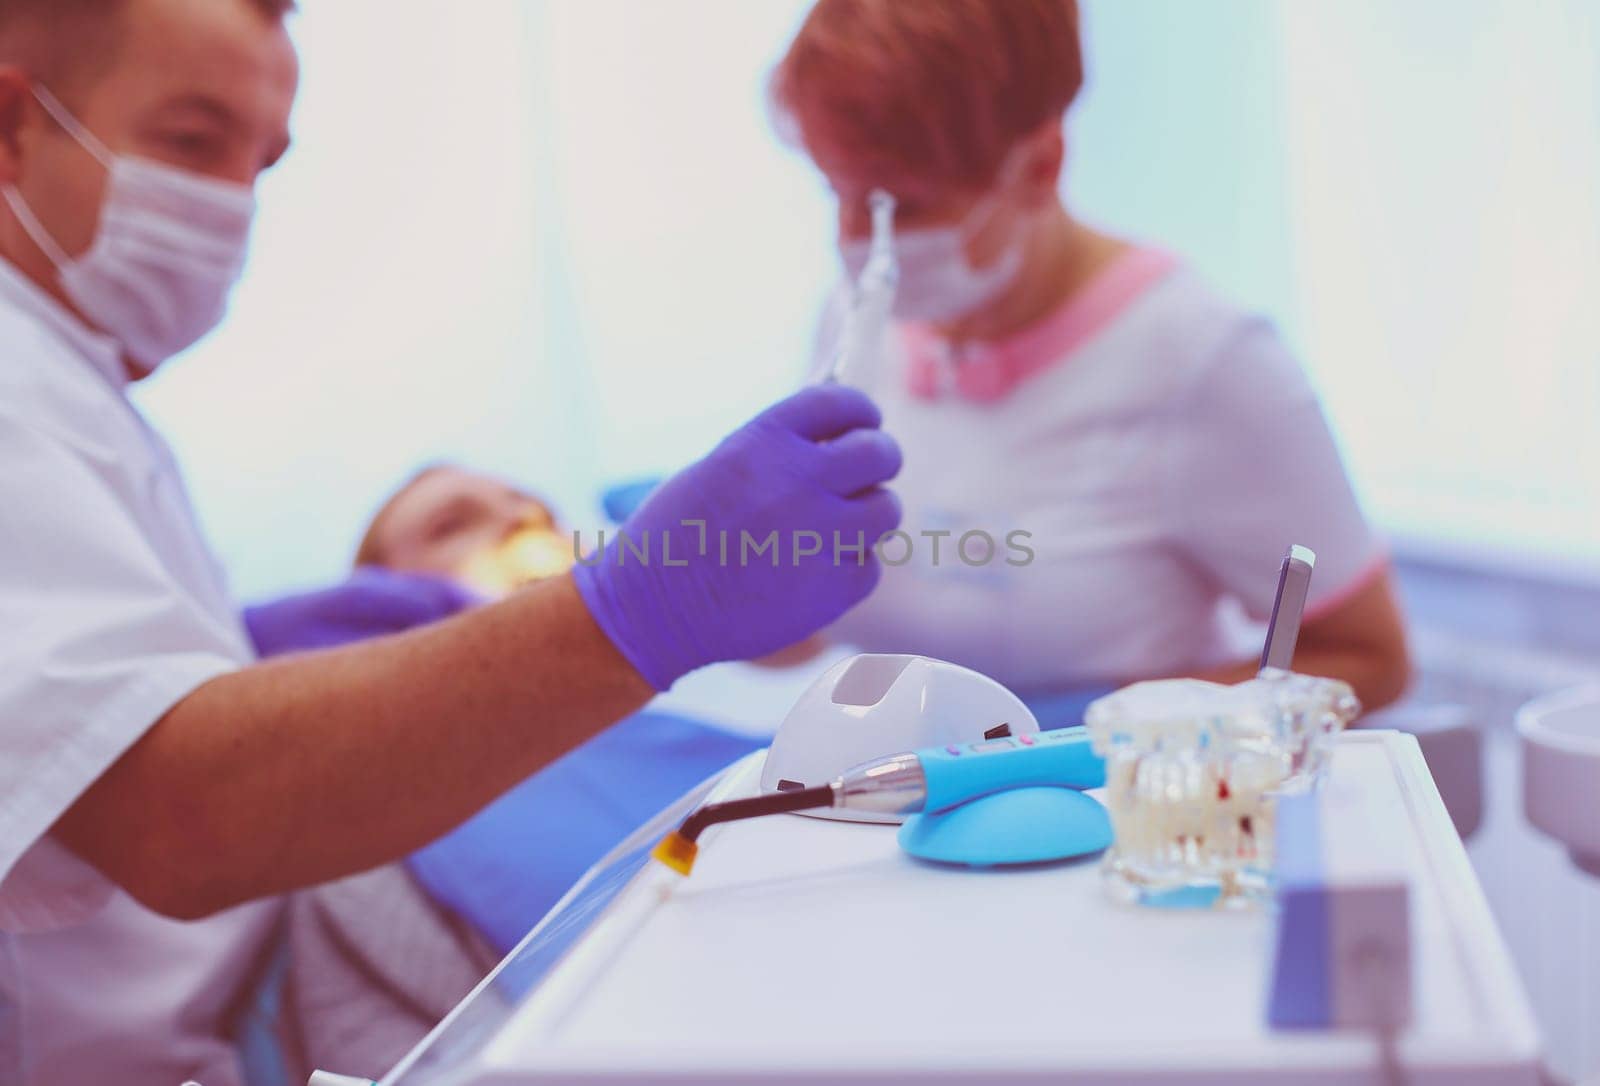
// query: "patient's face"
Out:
[454,523]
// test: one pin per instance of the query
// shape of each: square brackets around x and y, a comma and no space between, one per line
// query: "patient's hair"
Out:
[60,41]
[371,550]
[940,90]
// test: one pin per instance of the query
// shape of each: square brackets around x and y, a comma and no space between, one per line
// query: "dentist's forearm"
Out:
[308,768]
[311,767]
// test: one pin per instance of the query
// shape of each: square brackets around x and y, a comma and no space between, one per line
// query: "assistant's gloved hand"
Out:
[759,545]
[372,602]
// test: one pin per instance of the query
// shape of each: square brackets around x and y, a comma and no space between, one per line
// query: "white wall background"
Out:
[557,239]
[1445,185]
[390,311]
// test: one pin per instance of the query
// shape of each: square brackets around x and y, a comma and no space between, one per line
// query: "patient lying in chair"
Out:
[377,959]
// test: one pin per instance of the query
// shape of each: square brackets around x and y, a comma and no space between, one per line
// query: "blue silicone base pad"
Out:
[1020,826]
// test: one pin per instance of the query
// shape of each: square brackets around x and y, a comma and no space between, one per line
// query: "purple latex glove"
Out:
[804,474]
[372,602]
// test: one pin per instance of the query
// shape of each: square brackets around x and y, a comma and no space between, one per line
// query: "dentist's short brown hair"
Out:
[63,41]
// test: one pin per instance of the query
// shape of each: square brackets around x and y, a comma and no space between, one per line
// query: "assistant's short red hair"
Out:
[936,88]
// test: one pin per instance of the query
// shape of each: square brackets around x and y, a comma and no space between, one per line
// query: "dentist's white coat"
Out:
[112,610]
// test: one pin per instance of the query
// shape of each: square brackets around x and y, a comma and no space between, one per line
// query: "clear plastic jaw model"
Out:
[1303,713]
[1191,771]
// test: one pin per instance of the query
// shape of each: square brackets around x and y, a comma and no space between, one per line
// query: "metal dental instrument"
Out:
[873,294]
[1283,631]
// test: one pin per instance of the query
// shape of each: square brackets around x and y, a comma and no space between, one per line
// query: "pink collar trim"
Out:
[986,372]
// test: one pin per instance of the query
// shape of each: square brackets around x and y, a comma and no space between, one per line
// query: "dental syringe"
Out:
[872,296]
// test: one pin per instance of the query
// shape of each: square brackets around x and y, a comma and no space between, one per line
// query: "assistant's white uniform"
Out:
[1160,448]
[112,609]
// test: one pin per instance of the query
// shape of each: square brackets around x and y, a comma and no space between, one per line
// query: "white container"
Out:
[1561,770]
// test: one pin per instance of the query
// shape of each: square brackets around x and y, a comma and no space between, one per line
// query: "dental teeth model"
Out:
[1191,771]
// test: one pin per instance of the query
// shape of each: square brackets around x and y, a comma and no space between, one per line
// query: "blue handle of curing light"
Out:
[966,771]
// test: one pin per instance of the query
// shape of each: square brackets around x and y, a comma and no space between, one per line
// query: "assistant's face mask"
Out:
[937,285]
[169,247]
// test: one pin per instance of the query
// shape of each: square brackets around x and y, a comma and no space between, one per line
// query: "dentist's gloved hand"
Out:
[372,602]
[804,473]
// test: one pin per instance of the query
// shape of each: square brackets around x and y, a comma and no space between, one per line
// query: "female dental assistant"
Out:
[158,787]
[1156,447]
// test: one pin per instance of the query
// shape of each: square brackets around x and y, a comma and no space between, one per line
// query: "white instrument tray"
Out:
[811,951]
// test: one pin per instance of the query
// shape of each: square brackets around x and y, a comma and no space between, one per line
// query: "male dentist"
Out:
[158,787]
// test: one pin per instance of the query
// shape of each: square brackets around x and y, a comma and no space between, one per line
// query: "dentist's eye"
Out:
[195,146]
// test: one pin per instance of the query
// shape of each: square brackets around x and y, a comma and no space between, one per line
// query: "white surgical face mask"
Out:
[937,285]
[169,247]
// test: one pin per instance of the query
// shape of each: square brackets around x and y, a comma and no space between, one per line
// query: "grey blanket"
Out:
[373,965]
